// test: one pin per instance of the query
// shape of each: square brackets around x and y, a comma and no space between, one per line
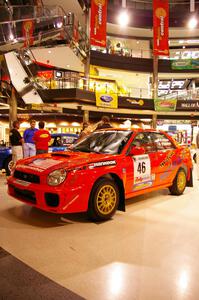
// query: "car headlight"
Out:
[56,177]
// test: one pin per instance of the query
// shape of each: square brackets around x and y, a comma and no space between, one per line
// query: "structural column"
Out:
[154,121]
[155,77]
[12,107]
[87,60]
[86,116]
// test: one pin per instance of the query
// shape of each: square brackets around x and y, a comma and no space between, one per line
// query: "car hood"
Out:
[67,159]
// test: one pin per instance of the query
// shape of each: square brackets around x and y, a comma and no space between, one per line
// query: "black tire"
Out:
[194,157]
[103,200]
[8,163]
[179,183]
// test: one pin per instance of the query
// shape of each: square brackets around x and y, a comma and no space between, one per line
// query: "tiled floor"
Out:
[149,252]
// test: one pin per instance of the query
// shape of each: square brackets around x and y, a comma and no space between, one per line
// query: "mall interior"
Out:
[52,70]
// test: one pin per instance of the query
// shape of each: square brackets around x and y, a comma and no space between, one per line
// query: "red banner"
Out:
[161,27]
[27,29]
[98,23]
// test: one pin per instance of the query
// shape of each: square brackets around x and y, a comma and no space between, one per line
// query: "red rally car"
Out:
[101,171]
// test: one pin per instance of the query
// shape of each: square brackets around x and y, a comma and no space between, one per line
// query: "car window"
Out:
[58,140]
[145,141]
[162,142]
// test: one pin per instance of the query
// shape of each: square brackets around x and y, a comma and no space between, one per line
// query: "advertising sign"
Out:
[27,30]
[185,64]
[106,100]
[165,105]
[98,23]
[160,27]
[187,105]
[135,103]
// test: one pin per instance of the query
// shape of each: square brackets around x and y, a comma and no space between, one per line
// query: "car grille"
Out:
[24,195]
[26,177]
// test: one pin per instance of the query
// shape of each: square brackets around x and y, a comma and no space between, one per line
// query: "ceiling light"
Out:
[192,23]
[123,19]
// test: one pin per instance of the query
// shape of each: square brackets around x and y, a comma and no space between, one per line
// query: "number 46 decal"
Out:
[142,168]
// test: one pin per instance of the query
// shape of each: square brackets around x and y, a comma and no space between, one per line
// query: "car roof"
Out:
[132,129]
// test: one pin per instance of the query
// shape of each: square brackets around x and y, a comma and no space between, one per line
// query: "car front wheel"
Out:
[179,183]
[104,200]
[8,164]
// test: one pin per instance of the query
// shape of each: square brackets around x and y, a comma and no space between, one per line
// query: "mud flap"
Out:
[190,181]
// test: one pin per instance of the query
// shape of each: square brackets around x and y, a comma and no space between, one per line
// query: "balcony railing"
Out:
[73,80]
[31,25]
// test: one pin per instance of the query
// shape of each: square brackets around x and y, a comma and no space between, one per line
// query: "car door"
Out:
[167,158]
[140,173]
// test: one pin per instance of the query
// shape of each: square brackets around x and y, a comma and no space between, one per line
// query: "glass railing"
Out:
[73,80]
[140,53]
[41,24]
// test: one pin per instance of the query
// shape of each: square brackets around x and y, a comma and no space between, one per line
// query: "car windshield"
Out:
[107,142]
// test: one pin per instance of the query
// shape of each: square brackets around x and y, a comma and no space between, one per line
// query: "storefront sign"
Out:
[160,27]
[27,29]
[187,105]
[185,64]
[106,100]
[98,23]
[45,74]
[135,103]
[165,105]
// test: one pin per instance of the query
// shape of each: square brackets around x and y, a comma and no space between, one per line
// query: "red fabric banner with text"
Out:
[161,27]
[27,29]
[98,23]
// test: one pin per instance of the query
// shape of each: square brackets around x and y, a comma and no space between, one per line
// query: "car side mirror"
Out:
[137,151]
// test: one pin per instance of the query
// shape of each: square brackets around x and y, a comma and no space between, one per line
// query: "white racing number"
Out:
[142,171]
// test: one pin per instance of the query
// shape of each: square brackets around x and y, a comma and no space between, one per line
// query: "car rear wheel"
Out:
[8,164]
[179,183]
[104,200]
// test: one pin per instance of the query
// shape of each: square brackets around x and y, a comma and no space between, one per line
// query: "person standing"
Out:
[29,144]
[41,138]
[197,154]
[16,142]
[105,123]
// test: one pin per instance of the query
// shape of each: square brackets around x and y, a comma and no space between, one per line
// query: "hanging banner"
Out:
[165,104]
[98,23]
[160,27]
[106,100]
[27,30]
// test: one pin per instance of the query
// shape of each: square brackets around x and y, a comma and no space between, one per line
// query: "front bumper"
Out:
[62,199]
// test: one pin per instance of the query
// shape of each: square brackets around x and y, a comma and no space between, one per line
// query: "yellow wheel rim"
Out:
[106,199]
[181,181]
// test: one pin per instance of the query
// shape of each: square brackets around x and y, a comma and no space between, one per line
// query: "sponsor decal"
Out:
[21,182]
[142,172]
[167,160]
[142,185]
[102,164]
[165,105]
[106,98]
[136,102]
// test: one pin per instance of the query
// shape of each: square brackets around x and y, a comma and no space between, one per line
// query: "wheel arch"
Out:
[5,159]
[119,182]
